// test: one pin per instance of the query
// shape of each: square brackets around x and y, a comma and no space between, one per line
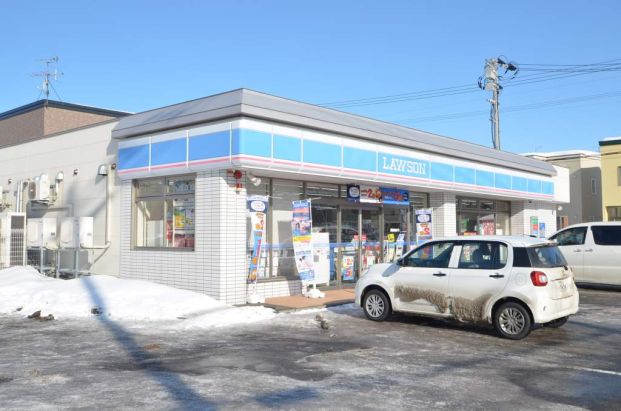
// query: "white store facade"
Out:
[187,170]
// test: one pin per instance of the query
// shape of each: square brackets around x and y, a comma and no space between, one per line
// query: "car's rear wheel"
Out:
[559,322]
[376,305]
[512,320]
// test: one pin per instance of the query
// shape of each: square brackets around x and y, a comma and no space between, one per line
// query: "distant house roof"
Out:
[252,104]
[554,155]
[609,141]
[59,104]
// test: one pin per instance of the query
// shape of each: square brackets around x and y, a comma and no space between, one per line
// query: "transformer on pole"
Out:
[491,81]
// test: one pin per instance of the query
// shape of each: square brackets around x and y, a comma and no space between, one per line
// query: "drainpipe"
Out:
[109,180]
[19,206]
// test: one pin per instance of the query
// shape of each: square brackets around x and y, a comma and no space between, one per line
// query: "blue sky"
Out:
[138,55]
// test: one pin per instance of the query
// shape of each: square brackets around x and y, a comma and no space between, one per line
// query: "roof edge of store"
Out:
[249,103]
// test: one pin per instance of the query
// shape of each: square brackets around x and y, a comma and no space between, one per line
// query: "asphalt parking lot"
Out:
[292,363]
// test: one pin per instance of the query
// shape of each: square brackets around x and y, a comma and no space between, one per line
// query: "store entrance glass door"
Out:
[371,239]
[395,232]
[349,247]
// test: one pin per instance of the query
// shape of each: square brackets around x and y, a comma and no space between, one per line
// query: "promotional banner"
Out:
[301,228]
[542,230]
[423,226]
[534,226]
[347,268]
[257,206]
[370,194]
[395,196]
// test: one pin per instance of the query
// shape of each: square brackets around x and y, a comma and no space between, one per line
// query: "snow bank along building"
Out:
[187,170]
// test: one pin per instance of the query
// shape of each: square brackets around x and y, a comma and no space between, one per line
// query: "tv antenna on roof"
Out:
[48,76]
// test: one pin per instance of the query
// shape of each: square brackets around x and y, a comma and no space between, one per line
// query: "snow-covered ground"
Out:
[24,291]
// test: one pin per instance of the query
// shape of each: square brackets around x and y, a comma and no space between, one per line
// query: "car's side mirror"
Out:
[400,262]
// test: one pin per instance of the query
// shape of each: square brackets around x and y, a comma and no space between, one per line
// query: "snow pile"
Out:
[25,289]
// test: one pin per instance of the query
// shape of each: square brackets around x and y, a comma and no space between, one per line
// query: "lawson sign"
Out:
[389,163]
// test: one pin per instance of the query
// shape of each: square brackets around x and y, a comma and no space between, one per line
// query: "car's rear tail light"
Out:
[539,279]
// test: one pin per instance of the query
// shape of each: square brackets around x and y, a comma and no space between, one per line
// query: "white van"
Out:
[593,250]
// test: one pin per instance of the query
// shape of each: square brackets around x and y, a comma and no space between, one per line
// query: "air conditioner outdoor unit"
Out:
[41,232]
[12,239]
[76,232]
[42,188]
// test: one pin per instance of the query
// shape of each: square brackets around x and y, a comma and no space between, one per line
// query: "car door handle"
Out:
[577,250]
[496,275]
[588,250]
[439,274]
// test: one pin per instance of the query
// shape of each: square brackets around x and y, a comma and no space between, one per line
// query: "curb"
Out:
[285,308]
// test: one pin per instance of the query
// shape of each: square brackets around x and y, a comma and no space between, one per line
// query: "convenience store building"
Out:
[188,169]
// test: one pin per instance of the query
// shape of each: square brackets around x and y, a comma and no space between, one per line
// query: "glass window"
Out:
[606,235]
[614,213]
[483,255]
[619,176]
[486,205]
[321,190]
[593,186]
[467,203]
[483,217]
[164,213]
[433,255]
[419,200]
[284,192]
[572,236]
[546,257]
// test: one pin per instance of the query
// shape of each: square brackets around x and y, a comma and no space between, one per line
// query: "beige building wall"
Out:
[585,184]
[77,154]
[610,150]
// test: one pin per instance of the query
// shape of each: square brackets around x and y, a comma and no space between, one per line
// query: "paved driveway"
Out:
[292,363]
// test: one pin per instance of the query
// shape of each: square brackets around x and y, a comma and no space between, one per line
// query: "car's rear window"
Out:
[546,256]
[606,235]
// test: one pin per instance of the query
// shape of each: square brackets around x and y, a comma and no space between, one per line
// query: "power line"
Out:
[544,74]
[523,107]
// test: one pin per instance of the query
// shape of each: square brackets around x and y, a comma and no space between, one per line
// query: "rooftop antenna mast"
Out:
[490,81]
[48,75]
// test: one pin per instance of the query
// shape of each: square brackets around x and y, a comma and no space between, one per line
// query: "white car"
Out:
[512,283]
[593,251]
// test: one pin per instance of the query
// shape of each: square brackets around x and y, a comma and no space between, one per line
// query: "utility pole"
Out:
[490,81]
[48,76]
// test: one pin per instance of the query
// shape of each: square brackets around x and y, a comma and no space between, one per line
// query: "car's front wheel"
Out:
[512,320]
[376,305]
[559,322]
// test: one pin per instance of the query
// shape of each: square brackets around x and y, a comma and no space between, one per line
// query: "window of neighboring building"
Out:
[614,213]
[164,212]
[593,186]
[562,221]
[619,176]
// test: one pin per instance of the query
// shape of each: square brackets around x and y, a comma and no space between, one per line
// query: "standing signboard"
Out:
[423,225]
[257,207]
[301,228]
